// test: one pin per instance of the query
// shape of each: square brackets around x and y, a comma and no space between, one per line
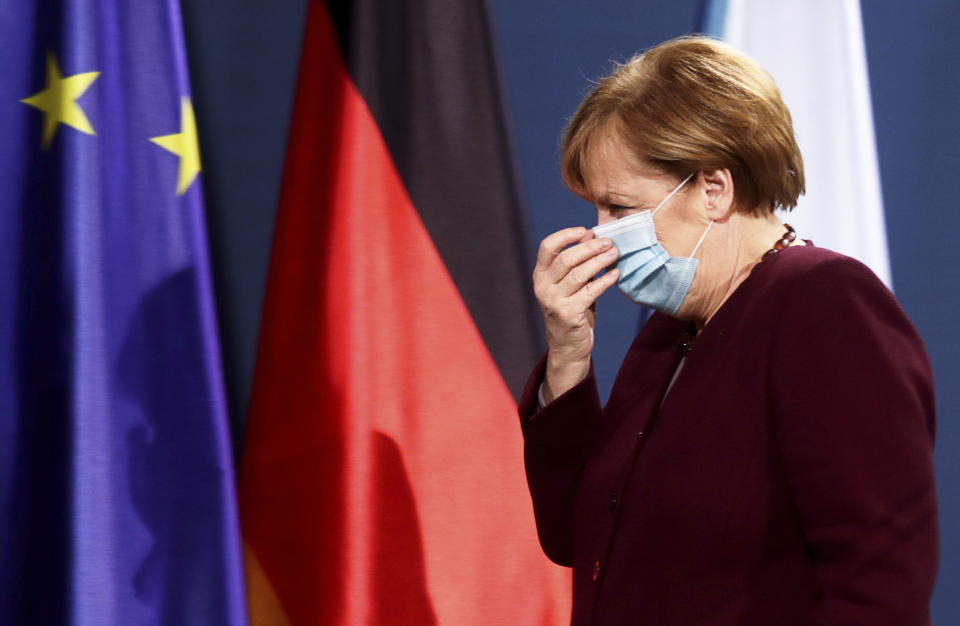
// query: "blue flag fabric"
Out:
[117,497]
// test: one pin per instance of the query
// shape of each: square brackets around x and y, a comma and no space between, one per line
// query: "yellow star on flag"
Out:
[185,145]
[59,101]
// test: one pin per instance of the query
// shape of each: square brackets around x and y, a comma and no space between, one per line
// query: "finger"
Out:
[575,256]
[554,244]
[583,272]
[588,294]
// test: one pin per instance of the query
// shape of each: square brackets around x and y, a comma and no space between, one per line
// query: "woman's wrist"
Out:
[562,375]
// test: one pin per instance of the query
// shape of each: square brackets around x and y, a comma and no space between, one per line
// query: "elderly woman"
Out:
[765,454]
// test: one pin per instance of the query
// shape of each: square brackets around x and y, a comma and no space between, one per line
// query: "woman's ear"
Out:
[717,186]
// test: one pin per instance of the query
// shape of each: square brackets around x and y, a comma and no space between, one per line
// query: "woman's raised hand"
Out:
[564,285]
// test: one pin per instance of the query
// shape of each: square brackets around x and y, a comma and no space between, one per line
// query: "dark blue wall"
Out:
[915,84]
[243,60]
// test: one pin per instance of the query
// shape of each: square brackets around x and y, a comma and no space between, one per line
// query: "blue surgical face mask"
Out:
[648,274]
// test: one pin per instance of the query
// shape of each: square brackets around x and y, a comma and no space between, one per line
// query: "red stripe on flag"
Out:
[382,478]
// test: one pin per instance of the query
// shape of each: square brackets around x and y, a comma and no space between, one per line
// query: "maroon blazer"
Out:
[786,479]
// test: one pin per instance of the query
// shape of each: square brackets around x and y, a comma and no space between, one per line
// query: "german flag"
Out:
[382,478]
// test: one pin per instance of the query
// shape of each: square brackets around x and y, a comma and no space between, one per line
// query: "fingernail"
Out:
[612,252]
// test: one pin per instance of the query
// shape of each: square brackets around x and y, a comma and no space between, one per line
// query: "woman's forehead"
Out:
[612,169]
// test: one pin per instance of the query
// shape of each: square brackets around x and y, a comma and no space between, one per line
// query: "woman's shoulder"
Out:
[811,270]
[819,290]
[799,261]
[812,289]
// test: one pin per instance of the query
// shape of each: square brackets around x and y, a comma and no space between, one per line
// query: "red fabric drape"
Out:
[382,477]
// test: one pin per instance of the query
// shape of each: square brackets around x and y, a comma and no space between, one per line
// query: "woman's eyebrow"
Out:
[612,197]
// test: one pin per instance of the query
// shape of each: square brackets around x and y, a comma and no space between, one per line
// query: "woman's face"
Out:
[619,185]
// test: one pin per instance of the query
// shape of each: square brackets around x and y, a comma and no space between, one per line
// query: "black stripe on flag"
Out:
[426,69]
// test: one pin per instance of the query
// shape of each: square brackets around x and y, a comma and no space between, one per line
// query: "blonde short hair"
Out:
[689,104]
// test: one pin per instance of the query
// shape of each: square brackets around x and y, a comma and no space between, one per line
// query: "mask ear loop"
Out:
[702,237]
[670,195]
[688,260]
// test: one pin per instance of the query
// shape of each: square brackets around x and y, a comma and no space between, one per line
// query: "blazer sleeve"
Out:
[557,440]
[853,396]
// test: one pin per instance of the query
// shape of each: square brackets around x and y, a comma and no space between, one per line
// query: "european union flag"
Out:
[116,480]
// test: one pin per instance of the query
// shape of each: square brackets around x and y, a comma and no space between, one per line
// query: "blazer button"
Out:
[613,502]
[596,570]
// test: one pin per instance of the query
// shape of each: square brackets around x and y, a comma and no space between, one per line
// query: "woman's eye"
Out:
[619,208]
